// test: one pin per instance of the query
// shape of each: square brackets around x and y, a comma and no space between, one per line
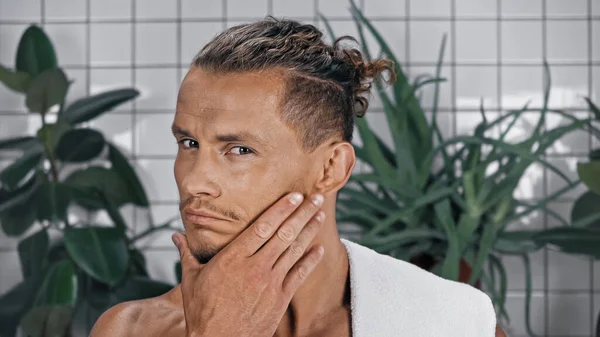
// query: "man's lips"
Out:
[202,218]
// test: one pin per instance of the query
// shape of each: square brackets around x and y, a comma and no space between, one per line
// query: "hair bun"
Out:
[364,73]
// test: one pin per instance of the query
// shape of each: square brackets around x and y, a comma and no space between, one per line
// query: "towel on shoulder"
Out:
[390,297]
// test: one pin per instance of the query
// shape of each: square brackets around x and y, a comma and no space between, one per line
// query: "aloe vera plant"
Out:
[458,212]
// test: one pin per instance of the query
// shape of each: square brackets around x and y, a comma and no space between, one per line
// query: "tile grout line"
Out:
[545,186]
[589,87]
[499,58]
[224,18]
[133,27]
[407,38]
[412,64]
[453,67]
[332,18]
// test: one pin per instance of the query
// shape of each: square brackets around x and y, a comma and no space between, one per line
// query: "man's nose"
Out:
[201,178]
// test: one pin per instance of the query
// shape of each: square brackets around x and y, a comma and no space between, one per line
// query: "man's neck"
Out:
[325,292]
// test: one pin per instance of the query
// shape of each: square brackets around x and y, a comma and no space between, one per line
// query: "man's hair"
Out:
[325,85]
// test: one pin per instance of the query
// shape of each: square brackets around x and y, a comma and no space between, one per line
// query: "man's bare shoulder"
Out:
[158,316]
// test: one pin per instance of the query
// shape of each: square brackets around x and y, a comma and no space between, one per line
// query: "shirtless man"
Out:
[257,259]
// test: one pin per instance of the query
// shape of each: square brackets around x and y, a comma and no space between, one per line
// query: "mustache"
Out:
[196,203]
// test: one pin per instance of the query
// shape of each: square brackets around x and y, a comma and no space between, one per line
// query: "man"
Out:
[258,259]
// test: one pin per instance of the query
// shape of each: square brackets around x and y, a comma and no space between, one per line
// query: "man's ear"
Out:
[335,167]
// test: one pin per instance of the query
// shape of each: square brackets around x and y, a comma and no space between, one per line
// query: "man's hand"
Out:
[245,289]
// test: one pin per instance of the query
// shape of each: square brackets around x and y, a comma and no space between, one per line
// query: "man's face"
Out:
[236,157]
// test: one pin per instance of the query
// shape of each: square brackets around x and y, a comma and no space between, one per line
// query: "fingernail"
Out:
[321,250]
[317,199]
[320,216]
[296,198]
[175,240]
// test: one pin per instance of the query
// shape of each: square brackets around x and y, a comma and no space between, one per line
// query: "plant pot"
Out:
[427,262]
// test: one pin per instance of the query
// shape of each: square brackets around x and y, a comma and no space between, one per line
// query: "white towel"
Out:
[393,298]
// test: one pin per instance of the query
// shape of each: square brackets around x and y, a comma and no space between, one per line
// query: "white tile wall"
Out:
[567,41]
[135,43]
[110,44]
[430,8]
[65,10]
[155,43]
[426,39]
[293,9]
[521,41]
[155,9]
[70,43]
[519,8]
[110,9]
[202,9]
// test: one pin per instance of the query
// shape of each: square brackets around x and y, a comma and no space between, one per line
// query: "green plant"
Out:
[588,204]
[85,268]
[458,212]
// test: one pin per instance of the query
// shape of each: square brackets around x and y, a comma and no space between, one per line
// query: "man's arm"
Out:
[499,332]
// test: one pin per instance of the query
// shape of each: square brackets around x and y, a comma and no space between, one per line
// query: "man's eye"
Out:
[188,143]
[242,150]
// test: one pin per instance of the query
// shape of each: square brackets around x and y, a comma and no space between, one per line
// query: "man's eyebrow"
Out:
[176,130]
[241,136]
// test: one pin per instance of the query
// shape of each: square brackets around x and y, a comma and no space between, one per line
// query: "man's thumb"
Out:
[180,242]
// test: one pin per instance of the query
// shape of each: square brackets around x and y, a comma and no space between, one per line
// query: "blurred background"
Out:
[494,54]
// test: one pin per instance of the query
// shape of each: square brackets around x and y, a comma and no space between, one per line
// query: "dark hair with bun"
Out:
[326,86]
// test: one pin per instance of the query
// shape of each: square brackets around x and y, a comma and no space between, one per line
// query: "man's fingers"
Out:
[289,230]
[259,232]
[297,248]
[185,254]
[301,270]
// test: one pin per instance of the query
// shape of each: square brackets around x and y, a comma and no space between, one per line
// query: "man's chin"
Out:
[205,250]
[204,257]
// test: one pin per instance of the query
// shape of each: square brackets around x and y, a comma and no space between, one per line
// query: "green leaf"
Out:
[17,220]
[15,80]
[138,263]
[50,134]
[134,287]
[99,251]
[20,168]
[450,266]
[178,271]
[128,175]
[16,212]
[140,287]
[88,197]
[587,205]
[46,90]
[411,235]
[15,303]
[47,321]
[589,173]
[496,263]
[18,143]
[35,52]
[80,145]
[52,201]
[486,242]
[107,181]
[517,242]
[114,214]
[594,155]
[32,253]
[409,128]
[572,240]
[593,108]
[59,287]
[91,107]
